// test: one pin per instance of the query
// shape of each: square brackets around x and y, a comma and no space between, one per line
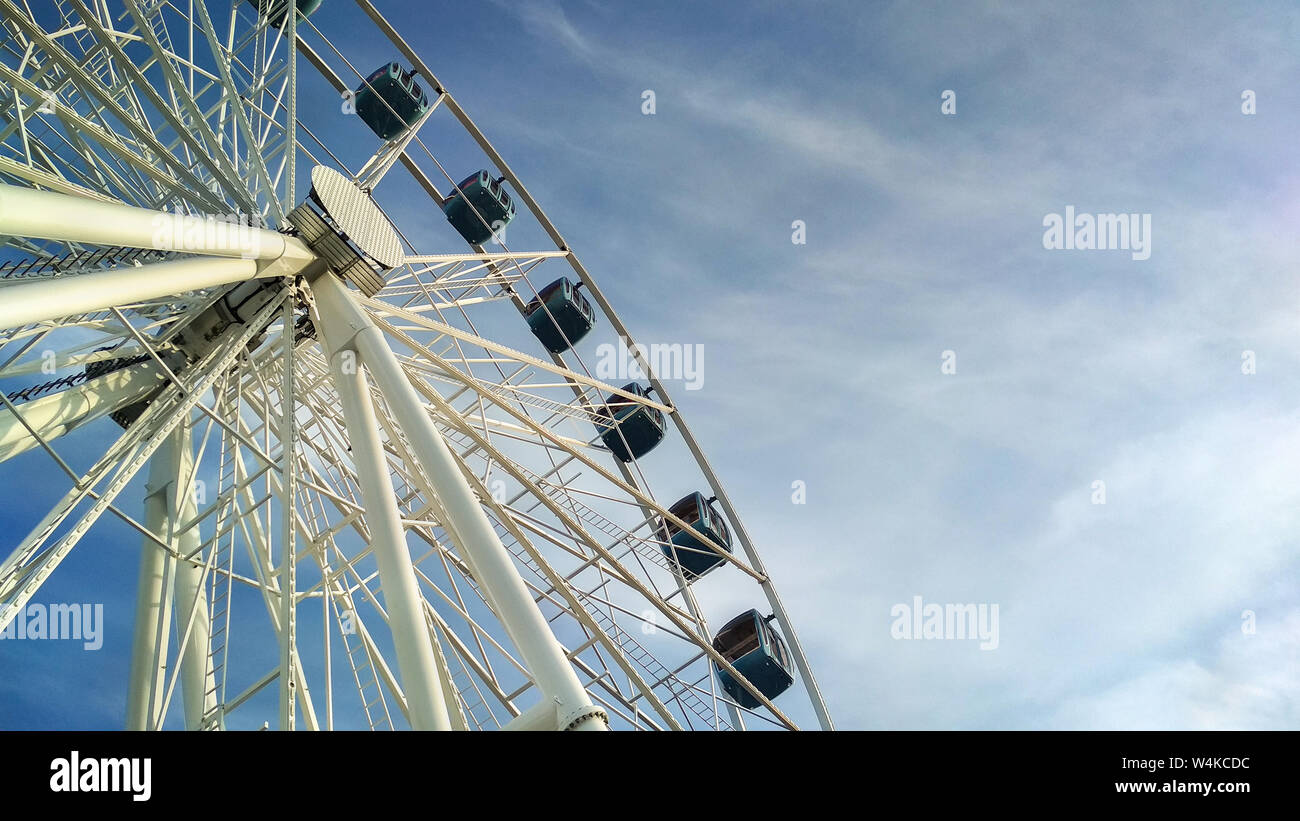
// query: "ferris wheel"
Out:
[367,440]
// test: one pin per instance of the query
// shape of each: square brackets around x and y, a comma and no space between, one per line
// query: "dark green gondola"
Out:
[390,101]
[276,11]
[567,317]
[751,645]
[686,547]
[479,207]
[629,429]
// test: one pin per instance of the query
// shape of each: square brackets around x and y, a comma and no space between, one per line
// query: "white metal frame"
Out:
[550,607]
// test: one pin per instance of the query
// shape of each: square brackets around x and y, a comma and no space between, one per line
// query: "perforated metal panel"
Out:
[348,230]
[356,216]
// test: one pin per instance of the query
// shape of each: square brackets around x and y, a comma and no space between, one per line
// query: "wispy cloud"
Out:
[925,235]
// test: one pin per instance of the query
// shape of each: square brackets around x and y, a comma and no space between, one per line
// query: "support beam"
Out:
[288,546]
[55,415]
[196,662]
[411,637]
[46,299]
[153,598]
[488,558]
[27,212]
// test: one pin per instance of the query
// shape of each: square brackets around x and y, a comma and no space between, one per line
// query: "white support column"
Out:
[469,525]
[415,657]
[153,599]
[196,662]
[541,716]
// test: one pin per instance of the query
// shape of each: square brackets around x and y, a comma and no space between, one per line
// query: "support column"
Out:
[196,662]
[469,525]
[415,659]
[153,599]
[288,545]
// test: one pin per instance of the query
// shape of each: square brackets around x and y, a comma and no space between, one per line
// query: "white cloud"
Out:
[924,236]
[1248,683]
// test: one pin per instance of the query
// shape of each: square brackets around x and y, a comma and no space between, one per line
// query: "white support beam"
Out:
[55,415]
[27,212]
[240,253]
[195,662]
[153,597]
[412,640]
[47,299]
[488,558]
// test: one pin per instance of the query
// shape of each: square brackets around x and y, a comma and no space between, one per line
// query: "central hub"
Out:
[343,225]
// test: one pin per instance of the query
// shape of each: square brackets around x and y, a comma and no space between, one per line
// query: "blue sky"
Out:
[924,235]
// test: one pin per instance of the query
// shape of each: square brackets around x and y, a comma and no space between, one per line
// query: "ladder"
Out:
[223,563]
[633,650]
[363,670]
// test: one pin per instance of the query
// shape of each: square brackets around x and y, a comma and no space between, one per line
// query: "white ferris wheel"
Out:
[418,521]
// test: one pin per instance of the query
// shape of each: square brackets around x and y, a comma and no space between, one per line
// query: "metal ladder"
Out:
[592,517]
[365,667]
[221,582]
[631,648]
[472,703]
[660,675]
[95,59]
[79,261]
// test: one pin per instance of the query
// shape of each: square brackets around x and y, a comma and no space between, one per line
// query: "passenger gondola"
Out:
[567,317]
[275,11]
[751,645]
[686,547]
[390,101]
[479,207]
[629,429]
